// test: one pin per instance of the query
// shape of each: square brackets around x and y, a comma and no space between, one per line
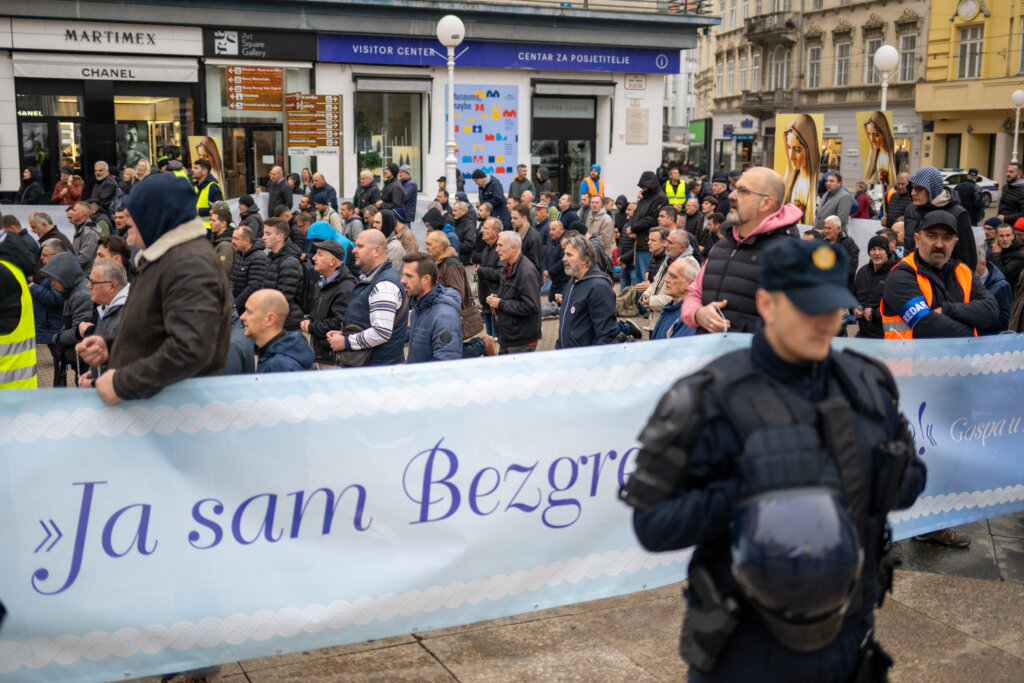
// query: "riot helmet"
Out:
[797,556]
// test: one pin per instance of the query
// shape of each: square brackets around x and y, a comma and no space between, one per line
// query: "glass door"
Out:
[267,147]
[578,156]
[568,161]
[248,154]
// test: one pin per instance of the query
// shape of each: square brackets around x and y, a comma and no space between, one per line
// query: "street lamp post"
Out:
[1018,102]
[450,31]
[886,59]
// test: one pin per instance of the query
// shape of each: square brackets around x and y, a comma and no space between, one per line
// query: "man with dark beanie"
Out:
[492,193]
[869,285]
[177,321]
[392,196]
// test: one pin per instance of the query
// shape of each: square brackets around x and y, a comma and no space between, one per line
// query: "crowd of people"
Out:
[340,284]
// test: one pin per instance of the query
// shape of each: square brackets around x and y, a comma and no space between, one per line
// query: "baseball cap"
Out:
[811,273]
[972,171]
[938,219]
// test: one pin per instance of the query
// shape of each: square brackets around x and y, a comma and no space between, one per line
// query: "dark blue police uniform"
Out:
[751,439]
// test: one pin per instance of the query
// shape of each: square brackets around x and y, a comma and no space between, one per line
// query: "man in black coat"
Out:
[250,265]
[1008,253]
[1011,201]
[367,194]
[284,268]
[970,196]
[489,267]
[465,230]
[869,286]
[279,190]
[516,304]
[896,201]
[336,287]
[393,195]
[105,188]
[645,217]
[532,248]
[834,234]
[492,193]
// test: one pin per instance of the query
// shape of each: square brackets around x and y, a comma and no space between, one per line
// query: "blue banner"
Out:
[238,517]
[360,49]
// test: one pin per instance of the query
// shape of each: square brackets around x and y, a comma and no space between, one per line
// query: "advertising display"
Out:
[487,130]
[207,147]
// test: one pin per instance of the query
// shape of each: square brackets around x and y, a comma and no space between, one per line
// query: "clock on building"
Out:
[967,9]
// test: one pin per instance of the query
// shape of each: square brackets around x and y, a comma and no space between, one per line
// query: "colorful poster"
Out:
[487,130]
[207,147]
[797,155]
[877,148]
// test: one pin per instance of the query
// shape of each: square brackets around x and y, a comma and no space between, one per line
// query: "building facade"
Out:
[339,87]
[773,57]
[975,63]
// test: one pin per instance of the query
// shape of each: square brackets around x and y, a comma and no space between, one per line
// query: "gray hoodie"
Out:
[77,301]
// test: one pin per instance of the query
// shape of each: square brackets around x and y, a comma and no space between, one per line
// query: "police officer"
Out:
[779,463]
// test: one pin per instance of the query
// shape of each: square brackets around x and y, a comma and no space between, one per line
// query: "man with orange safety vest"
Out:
[593,184]
[929,294]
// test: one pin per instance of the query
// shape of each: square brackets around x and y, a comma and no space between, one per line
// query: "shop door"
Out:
[564,135]
[50,135]
[568,161]
[249,153]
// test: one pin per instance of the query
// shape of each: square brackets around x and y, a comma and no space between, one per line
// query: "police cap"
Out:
[812,274]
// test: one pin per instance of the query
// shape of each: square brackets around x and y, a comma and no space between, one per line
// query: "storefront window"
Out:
[389,129]
[724,151]
[831,152]
[247,93]
[901,158]
[147,127]
[50,133]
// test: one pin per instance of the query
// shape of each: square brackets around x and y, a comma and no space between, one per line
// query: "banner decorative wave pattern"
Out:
[239,517]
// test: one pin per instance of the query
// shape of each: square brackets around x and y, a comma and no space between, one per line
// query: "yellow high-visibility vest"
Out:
[18,349]
[203,201]
[678,197]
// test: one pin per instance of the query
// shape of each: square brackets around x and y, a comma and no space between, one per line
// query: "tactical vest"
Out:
[677,197]
[730,272]
[838,443]
[18,348]
[901,326]
[358,313]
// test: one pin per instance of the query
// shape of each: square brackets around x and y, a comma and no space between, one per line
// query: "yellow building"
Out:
[975,62]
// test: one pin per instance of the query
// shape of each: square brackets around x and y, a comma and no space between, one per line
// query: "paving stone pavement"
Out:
[954,616]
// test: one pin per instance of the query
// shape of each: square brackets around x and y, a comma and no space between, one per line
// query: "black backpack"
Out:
[308,287]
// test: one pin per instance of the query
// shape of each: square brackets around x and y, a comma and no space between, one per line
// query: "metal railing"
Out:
[765,23]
